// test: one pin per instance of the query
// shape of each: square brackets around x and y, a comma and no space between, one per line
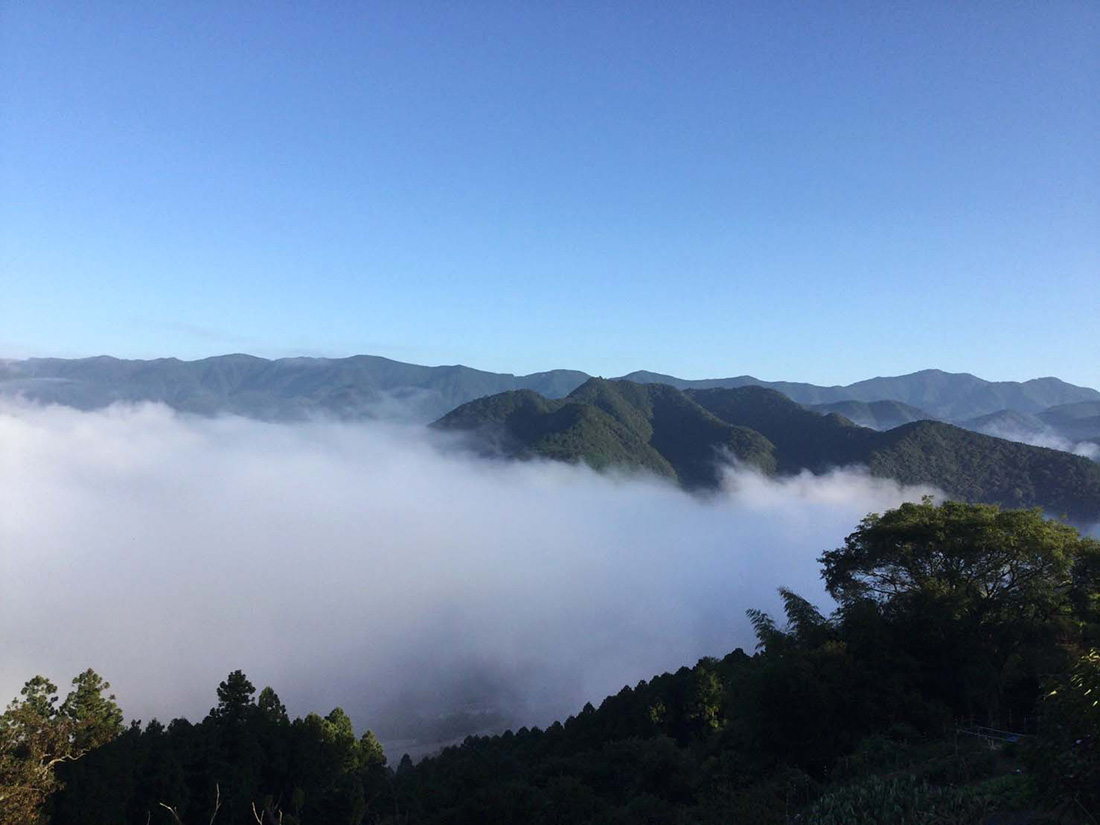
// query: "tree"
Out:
[981,557]
[95,718]
[805,689]
[234,698]
[705,699]
[271,708]
[1085,593]
[36,737]
[978,602]
[806,627]
[371,754]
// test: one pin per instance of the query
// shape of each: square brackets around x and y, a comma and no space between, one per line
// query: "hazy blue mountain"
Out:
[956,396]
[944,395]
[1071,412]
[1079,422]
[1010,424]
[878,415]
[362,386]
[680,434]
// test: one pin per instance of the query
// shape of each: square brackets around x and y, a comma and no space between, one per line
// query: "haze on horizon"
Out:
[324,357]
[814,194]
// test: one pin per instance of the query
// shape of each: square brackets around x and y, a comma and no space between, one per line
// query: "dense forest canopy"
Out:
[950,617]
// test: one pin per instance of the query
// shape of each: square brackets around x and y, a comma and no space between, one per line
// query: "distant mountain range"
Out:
[682,434]
[360,387]
[354,386]
[942,395]
[1044,411]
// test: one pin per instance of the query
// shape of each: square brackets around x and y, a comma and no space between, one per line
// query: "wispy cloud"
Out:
[1046,437]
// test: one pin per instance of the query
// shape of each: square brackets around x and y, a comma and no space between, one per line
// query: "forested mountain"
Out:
[686,434]
[964,464]
[878,415]
[867,715]
[614,423]
[976,467]
[366,386]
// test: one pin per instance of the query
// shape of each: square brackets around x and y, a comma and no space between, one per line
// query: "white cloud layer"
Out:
[372,568]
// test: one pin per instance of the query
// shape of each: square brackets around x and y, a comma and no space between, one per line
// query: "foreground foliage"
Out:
[902,800]
[37,736]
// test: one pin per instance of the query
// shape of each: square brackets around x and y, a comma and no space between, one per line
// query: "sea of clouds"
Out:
[378,567]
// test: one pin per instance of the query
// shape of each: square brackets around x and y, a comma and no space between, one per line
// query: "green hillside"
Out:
[964,464]
[978,467]
[684,434]
[803,439]
[615,423]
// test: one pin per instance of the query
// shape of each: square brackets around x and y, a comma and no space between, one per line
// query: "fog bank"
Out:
[368,566]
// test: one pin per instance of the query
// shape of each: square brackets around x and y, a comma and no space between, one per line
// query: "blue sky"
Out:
[819,192]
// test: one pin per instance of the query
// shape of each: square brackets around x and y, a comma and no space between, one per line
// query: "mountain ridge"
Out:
[945,395]
[368,386]
[357,387]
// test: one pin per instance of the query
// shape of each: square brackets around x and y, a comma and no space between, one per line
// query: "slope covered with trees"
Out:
[245,762]
[614,423]
[978,467]
[686,435]
[966,465]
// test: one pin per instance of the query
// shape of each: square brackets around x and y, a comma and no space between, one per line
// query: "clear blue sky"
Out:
[819,192]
